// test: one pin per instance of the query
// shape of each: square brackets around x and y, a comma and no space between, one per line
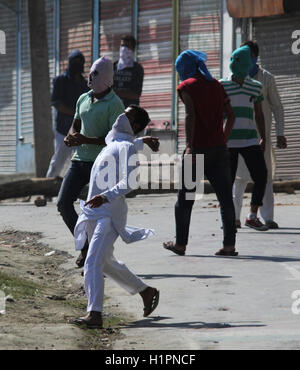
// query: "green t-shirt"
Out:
[97,119]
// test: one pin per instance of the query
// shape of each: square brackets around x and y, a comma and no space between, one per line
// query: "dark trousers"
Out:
[217,171]
[255,162]
[77,176]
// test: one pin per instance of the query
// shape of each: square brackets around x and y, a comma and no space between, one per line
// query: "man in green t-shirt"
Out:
[96,112]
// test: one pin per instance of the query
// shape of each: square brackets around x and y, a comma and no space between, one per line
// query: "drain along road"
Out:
[206,302]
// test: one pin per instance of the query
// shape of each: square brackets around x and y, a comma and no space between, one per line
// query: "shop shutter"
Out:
[76,30]
[115,21]
[26,129]
[274,37]
[199,29]
[155,54]
[8,24]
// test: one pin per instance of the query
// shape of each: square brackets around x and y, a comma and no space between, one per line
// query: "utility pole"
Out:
[42,120]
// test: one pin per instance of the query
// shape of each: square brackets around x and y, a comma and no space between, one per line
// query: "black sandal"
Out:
[224,252]
[84,323]
[170,247]
[152,305]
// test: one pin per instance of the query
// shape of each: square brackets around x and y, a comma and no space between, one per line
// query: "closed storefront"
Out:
[280,56]
[199,29]
[115,21]
[8,82]
[155,55]
[76,31]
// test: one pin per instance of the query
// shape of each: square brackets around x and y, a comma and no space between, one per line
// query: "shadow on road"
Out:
[154,322]
[166,276]
[256,258]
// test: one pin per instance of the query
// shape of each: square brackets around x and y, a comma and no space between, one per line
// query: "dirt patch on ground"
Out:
[40,298]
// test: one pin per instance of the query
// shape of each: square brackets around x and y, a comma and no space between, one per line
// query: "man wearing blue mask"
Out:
[246,99]
[128,74]
[206,103]
[271,104]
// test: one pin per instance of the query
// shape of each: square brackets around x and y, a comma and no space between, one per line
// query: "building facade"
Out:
[163,29]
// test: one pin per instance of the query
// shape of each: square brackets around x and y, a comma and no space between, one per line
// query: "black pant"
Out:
[255,162]
[77,176]
[217,171]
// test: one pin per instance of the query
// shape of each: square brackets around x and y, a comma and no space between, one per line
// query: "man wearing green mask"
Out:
[246,99]
[271,106]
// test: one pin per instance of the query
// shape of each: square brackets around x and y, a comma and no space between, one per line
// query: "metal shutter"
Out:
[155,54]
[115,22]
[76,30]
[274,37]
[199,29]
[8,24]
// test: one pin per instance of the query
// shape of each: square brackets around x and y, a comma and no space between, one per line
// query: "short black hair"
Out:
[141,116]
[130,39]
[253,46]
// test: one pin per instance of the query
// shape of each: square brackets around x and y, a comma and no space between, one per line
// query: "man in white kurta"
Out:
[104,215]
[271,104]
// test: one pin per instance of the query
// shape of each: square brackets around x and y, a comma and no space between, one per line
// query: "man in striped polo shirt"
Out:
[246,96]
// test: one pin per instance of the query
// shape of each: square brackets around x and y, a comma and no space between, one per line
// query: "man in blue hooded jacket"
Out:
[67,88]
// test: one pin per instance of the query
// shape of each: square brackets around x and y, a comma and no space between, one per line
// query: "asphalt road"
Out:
[247,302]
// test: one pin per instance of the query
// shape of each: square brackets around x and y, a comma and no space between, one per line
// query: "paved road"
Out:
[207,302]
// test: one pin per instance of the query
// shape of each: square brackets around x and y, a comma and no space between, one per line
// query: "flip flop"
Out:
[170,247]
[86,324]
[224,252]
[152,305]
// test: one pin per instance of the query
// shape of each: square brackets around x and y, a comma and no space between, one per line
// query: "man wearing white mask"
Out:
[104,216]
[271,104]
[128,74]
[96,112]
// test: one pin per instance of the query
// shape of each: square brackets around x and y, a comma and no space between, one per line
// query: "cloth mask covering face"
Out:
[126,58]
[104,78]
[121,130]
[75,67]
[241,62]
[189,61]
[254,69]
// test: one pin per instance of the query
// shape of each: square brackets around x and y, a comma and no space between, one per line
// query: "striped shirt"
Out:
[242,99]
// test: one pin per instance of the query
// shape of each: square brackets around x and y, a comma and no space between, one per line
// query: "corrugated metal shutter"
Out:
[155,54]
[274,37]
[76,30]
[26,129]
[8,91]
[199,29]
[115,21]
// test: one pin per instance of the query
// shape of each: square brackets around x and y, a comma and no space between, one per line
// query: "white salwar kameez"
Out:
[271,104]
[104,224]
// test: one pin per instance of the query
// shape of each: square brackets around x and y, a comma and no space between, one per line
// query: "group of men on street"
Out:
[101,120]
